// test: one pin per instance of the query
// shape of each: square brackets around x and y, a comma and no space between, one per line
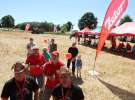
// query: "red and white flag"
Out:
[114,12]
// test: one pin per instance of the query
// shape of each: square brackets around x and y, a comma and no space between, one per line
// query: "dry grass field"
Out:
[116,80]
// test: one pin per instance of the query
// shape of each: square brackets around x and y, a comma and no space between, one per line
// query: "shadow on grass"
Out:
[121,93]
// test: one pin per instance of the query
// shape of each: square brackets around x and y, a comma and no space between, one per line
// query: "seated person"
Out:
[133,50]
[128,47]
[113,41]
[120,47]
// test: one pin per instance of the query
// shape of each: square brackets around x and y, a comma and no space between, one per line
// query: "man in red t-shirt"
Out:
[51,71]
[35,62]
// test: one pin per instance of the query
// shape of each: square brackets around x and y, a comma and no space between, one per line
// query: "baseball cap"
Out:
[55,53]
[18,67]
[35,48]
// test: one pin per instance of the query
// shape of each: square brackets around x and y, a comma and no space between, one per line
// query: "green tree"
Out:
[47,27]
[87,20]
[63,28]
[7,21]
[126,18]
[38,26]
[69,25]
[58,27]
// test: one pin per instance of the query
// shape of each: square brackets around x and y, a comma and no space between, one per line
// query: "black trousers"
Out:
[73,65]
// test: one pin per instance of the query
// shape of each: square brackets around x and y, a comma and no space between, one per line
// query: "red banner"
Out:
[114,12]
[27,27]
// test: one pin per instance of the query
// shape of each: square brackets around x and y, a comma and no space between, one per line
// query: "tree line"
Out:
[87,20]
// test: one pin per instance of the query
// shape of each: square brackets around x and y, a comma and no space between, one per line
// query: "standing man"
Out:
[35,62]
[20,87]
[29,46]
[74,51]
[66,90]
[51,70]
[53,46]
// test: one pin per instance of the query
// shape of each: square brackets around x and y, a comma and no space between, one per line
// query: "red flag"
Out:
[27,27]
[114,12]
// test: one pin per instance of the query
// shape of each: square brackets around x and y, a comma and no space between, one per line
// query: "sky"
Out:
[57,11]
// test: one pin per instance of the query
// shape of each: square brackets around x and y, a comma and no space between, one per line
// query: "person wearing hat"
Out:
[66,90]
[29,46]
[20,87]
[35,62]
[50,70]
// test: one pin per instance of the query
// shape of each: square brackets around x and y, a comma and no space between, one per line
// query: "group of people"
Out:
[123,48]
[47,75]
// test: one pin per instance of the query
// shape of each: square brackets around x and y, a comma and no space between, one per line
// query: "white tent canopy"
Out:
[126,29]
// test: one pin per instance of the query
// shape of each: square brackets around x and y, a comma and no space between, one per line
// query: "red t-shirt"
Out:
[121,46]
[128,46]
[35,62]
[51,69]
[114,43]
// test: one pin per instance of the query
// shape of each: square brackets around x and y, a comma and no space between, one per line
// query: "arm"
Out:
[27,61]
[36,95]
[56,47]
[69,50]
[27,46]
[5,92]
[54,98]
[4,98]
[77,51]
[81,63]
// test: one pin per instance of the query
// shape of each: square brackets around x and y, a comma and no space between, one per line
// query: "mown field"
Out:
[116,79]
